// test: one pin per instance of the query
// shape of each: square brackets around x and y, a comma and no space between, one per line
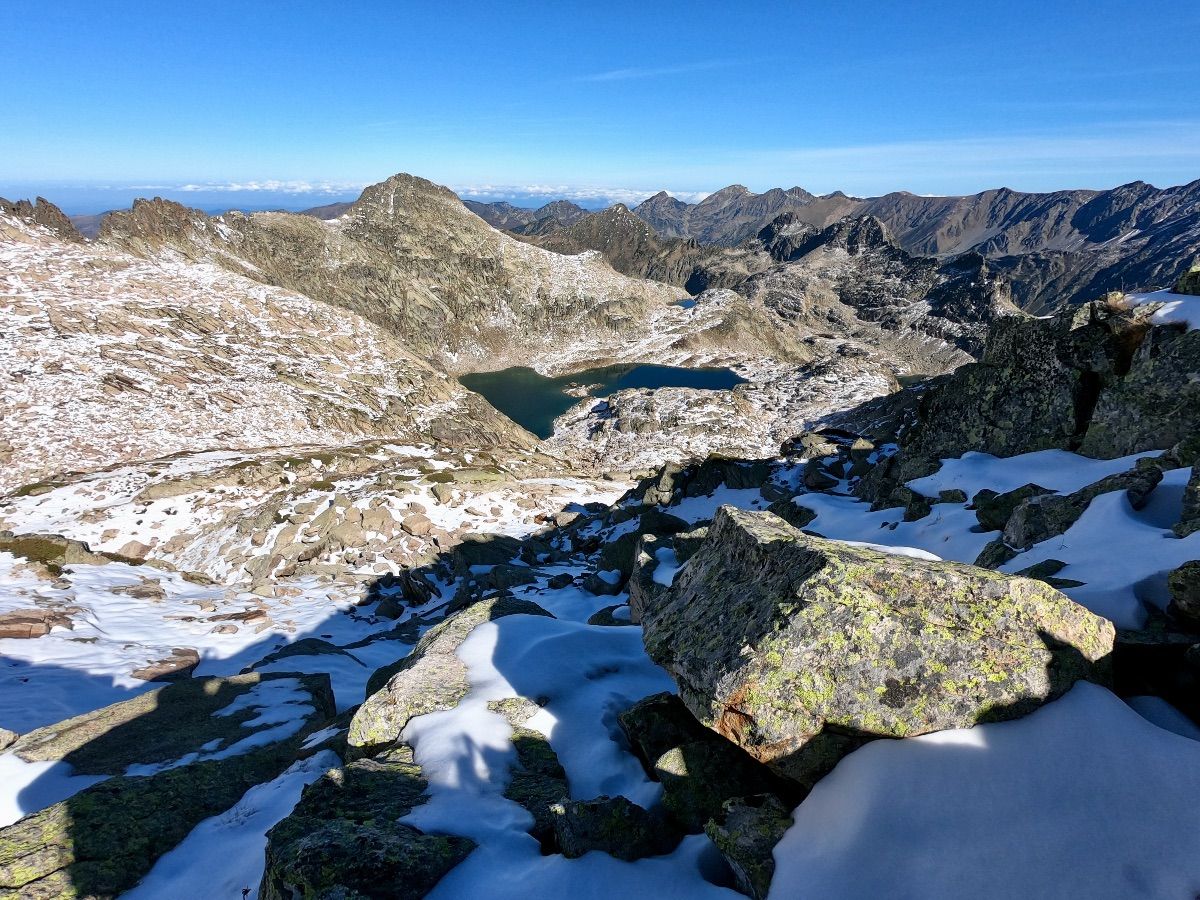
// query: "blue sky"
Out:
[274,103]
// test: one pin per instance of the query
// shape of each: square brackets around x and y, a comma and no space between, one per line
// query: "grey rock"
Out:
[612,825]
[800,649]
[746,835]
[430,678]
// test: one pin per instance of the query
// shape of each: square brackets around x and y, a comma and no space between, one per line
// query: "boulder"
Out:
[7,738]
[1044,516]
[1184,586]
[429,679]
[1189,521]
[699,776]
[180,664]
[800,649]
[344,838]
[537,781]
[612,825]
[993,509]
[1189,281]
[746,835]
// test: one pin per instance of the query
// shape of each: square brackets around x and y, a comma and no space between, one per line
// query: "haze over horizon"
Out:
[528,104]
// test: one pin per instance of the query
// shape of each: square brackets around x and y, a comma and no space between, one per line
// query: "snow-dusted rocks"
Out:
[109,358]
[800,649]
[175,757]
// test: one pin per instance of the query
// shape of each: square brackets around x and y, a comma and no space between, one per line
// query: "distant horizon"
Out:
[264,196]
[527,100]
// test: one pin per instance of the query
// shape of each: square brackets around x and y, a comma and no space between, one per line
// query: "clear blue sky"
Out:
[106,99]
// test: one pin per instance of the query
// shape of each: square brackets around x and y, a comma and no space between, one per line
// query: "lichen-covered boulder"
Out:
[992,509]
[537,781]
[344,838]
[1184,586]
[746,835]
[1189,281]
[800,649]
[699,776]
[612,825]
[1043,516]
[1189,521]
[429,679]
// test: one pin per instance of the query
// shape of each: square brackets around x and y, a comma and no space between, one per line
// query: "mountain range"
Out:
[1070,245]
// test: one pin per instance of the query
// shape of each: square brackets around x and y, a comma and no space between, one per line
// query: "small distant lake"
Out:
[534,401]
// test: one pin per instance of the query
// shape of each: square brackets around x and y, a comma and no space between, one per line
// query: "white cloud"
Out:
[632,72]
[272,186]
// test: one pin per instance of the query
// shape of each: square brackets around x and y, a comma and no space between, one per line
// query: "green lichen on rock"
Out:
[746,834]
[800,649]
[103,840]
[162,725]
[537,781]
[1189,520]
[1189,281]
[429,679]
[612,825]
[344,838]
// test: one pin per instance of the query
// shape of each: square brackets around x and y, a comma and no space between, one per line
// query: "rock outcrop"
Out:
[799,649]
[344,838]
[430,678]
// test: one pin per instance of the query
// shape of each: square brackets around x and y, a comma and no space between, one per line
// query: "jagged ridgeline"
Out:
[287,612]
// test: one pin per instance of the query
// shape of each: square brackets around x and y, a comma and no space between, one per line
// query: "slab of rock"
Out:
[180,664]
[103,840]
[799,649]
[34,622]
[993,509]
[162,725]
[1189,521]
[344,838]
[746,835]
[429,679]
[537,781]
[1184,586]
[1040,517]
[612,825]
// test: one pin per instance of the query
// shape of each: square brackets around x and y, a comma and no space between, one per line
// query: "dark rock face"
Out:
[344,839]
[746,836]
[612,825]
[1184,585]
[1189,281]
[799,649]
[1189,521]
[1100,379]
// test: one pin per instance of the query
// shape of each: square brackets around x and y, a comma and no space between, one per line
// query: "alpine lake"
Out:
[534,401]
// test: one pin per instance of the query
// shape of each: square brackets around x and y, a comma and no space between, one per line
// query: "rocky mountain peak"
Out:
[857,235]
[42,212]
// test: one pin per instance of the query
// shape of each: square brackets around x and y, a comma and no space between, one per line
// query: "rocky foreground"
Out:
[945,645]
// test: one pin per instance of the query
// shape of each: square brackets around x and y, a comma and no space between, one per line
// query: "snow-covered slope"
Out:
[108,358]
